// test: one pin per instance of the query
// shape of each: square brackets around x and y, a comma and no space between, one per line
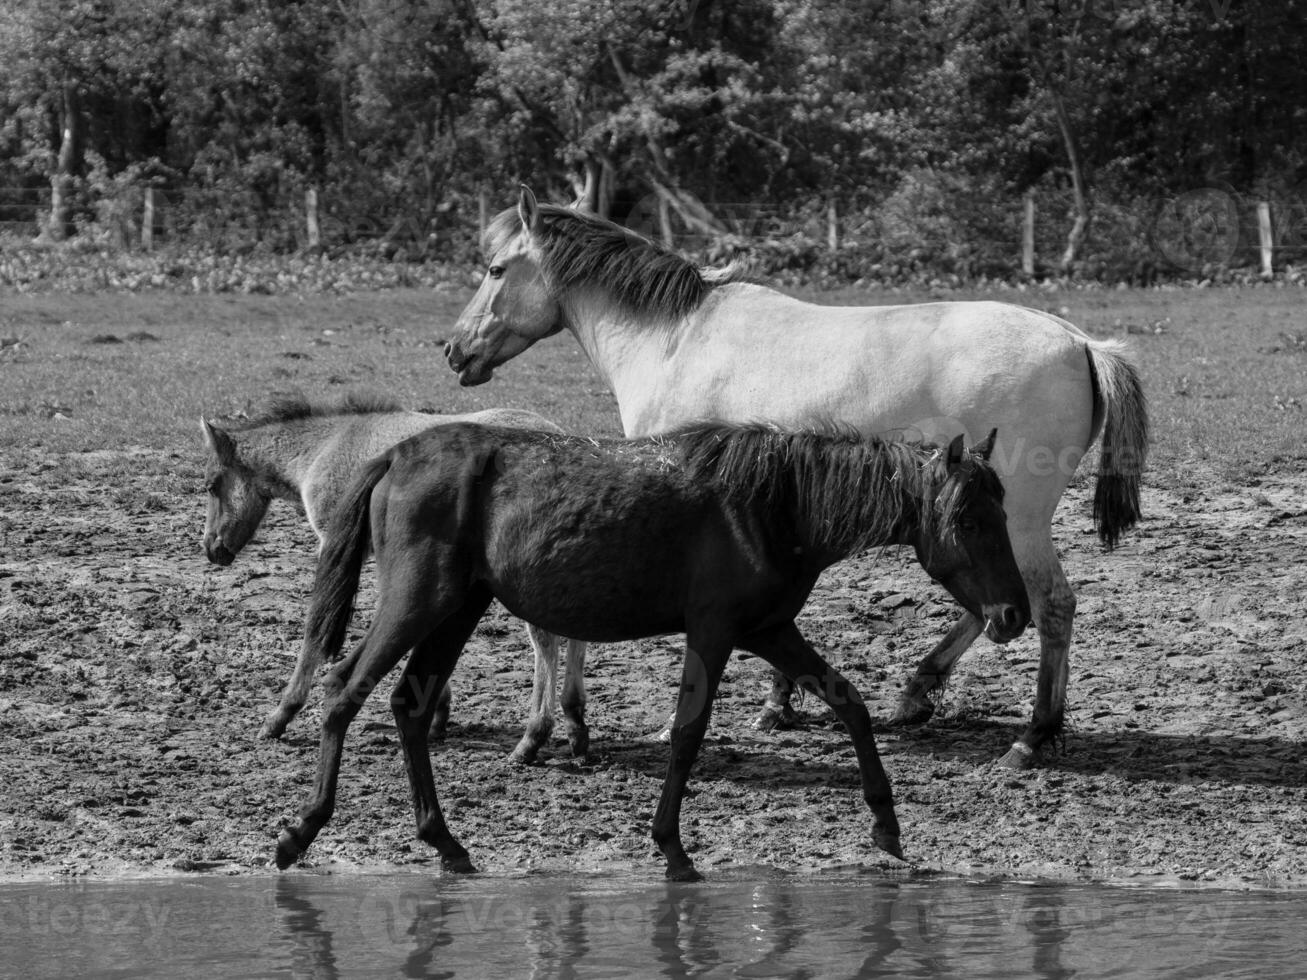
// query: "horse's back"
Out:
[360,438]
[922,371]
[508,418]
[543,519]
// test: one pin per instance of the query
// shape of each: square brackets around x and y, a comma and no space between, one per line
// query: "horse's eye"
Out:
[496,272]
[211,488]
[967,526]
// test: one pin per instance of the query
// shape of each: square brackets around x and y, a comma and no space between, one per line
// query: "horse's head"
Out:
[514,306]
[965,547]
[236,502]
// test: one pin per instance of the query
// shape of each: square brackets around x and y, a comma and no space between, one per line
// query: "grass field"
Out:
[133,675]
[1226,371]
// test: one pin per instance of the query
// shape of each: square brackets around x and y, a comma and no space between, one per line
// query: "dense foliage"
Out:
[908,132]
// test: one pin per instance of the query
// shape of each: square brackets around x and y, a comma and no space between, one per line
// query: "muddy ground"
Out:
[133,678]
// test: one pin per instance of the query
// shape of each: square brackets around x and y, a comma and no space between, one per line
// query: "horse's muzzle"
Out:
[219,554]
[1005,622]
[470,372]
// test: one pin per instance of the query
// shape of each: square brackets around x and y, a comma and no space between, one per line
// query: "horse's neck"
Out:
[622,348]
[282,454]
[884,511]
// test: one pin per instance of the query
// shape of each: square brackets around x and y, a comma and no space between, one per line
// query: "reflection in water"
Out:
[1043,908]
[555,946]
[310,942]
[681,935]
[745,923]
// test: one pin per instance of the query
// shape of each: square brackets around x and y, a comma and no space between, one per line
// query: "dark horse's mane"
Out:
[289,406]
[644,277]
[853,489]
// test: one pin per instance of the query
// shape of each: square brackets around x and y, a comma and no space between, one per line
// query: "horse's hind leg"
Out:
[413,705]
[578,732]
[915,705]
[786,650]
[705,659]
[544,696]
[346,688]
[1052,609]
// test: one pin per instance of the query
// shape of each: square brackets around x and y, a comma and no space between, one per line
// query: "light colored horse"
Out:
[308,454]
[676,343]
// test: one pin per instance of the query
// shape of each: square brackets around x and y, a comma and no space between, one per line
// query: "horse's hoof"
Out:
[524,755]
[776,718]
[288,850]
[274,726]
[663,735]
[438,731]
[888,842]
[686,872]
[1020,756]
[459,864]
[912,711]
[579,741]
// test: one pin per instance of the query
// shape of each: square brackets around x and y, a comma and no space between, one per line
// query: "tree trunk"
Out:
[594,188]
[1079,186]
[60,225]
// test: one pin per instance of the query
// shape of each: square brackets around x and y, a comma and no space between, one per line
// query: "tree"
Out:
[65,63]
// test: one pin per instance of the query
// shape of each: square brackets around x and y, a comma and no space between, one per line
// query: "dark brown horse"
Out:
[716,531]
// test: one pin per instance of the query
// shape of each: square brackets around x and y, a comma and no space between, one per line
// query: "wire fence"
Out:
[1201,229]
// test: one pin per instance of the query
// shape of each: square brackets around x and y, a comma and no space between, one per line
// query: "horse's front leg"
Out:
[413,703]
[544,696]
[915,703]
[785,649]
[295,694]
[440,720]
[705,659]
[777,713]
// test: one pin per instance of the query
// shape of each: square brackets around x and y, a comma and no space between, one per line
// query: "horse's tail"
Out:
[340,563]
[1122,412]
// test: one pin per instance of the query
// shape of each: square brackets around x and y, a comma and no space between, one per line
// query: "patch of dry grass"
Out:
[1227,390]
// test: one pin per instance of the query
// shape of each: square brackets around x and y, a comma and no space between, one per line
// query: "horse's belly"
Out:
[590,607]
[592,579]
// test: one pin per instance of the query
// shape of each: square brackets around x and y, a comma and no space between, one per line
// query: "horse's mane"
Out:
[644,277]
[290,406]
[853,490]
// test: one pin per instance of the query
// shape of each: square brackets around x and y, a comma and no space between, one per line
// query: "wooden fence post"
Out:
[1267,241]
[832,225]
[147,221]
[1028,235]
[483,213]
[311,218]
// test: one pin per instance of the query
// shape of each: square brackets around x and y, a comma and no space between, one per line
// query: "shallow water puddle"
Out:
[741,924]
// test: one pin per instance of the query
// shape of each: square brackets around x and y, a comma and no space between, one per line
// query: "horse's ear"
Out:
[953,455]
[527,209]
[220,442]
[985,447]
